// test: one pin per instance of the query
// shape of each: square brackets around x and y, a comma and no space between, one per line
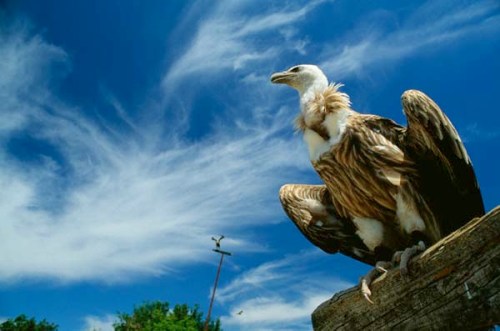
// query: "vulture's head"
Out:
[303,78]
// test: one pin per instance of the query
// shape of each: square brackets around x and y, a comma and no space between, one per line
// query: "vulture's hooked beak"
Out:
[283,77]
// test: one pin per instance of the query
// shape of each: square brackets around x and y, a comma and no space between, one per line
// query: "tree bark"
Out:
[453,285]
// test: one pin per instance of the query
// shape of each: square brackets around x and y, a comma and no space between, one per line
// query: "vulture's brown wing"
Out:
[311,210]
[446,179]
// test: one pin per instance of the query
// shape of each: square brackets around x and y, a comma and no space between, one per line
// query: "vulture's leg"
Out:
[381,268]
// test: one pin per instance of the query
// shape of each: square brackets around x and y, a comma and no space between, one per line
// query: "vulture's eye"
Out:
[295,69]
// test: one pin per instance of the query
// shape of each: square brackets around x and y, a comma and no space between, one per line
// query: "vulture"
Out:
[389,191]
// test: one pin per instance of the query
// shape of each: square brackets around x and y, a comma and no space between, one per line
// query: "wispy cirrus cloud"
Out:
[85,199]
[433,25]
[17,53]
[233,36]
[278,295]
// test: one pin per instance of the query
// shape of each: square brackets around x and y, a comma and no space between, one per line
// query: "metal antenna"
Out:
[222,253]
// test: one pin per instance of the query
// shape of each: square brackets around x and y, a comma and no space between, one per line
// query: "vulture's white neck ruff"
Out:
[335,121]
[318,85]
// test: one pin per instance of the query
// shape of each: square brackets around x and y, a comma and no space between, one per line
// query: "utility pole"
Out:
[222,253]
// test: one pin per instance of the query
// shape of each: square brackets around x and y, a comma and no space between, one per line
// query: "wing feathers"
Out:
[446,179]
[426,122]
[311,210]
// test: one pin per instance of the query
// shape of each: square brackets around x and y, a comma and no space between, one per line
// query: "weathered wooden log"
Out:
[453,285]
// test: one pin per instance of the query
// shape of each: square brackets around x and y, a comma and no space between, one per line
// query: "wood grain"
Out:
[453,285]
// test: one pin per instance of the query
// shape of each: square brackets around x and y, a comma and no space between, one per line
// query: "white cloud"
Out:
[275,313]
[107,203]
[99,323]
[433,25]
[231,37]
[25,64]
[278,295]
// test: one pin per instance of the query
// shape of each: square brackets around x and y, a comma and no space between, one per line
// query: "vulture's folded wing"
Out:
[311,209]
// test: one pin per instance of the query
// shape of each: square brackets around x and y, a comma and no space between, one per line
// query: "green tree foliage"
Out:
[157,316]
[22,323]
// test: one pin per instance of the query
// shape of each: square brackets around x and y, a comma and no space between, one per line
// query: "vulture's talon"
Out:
[405,257]
[381,267]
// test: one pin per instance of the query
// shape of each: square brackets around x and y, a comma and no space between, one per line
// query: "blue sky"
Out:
[132,132]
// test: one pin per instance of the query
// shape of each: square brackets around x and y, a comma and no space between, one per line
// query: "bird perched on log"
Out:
[389,190]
